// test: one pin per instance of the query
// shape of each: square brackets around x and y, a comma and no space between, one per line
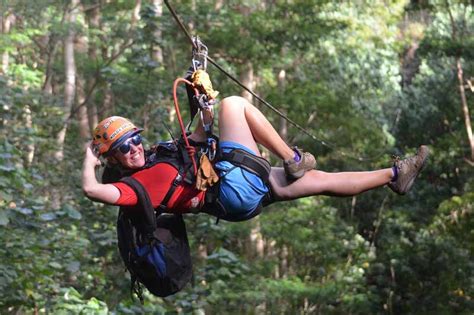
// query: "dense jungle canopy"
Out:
[370,79]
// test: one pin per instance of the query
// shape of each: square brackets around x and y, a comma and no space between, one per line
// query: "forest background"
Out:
[368,78]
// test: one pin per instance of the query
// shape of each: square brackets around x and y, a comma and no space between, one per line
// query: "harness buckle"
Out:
[177,180]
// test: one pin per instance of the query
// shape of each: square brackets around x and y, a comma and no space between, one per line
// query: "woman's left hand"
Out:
[90,157]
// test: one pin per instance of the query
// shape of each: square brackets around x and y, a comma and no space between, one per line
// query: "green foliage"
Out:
[71,301]
[331,257]
[441,270]
[373,254]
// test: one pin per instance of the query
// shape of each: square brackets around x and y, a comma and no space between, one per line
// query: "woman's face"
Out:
[135,156]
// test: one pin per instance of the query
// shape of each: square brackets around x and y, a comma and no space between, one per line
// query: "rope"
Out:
[191,151]
[279,113]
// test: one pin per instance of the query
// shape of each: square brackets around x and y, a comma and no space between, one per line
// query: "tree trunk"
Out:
[465,108]
[136,14]
[248,80]
[93,22]
[409,61]
[283,126]
[7,21]
[69,93]
[218,5]
[108,104]
[410,64]
[81,46]
[191,22]
[257,241]
[70,78]
[51,47]
[51,51]
[82,117]
[30,145]
[458,37]
[156,51]
[284,266]
[202,252]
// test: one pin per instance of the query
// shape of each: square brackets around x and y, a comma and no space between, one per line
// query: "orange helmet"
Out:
[111,132]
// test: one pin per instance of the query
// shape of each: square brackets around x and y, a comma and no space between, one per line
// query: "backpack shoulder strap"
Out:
[144,203]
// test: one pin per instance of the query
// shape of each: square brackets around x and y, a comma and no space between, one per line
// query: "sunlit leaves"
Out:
[369,255]
[71,301]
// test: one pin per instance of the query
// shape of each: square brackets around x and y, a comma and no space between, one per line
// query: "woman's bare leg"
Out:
[241,122]
[316,182]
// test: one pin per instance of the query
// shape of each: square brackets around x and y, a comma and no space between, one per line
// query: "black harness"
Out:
[252,163]
[175,154]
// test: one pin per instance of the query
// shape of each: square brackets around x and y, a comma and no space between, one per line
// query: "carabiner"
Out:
[212,148]
[199,53]
[207,127]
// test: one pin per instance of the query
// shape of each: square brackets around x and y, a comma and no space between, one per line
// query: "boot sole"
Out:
[296,175]
[412,180]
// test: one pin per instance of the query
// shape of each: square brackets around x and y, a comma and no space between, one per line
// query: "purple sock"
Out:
[395,173]
[297,156]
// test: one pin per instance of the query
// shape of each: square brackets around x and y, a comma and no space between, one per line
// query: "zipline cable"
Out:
[215,64]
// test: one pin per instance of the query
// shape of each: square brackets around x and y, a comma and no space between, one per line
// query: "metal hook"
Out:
[199,53]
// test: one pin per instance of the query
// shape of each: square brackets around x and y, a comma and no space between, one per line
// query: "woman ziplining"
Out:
[245,181]
[241,127]
[225,177]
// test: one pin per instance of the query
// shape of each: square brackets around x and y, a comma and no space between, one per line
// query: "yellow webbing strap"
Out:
[202,82]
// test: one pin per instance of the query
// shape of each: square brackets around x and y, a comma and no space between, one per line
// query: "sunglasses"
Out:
[124,148]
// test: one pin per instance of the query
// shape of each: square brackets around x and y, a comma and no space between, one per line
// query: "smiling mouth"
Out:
[136,156]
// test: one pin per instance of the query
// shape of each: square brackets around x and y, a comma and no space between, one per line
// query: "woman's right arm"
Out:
[105,193]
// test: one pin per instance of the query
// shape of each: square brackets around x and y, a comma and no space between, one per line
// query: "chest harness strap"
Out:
[163,205]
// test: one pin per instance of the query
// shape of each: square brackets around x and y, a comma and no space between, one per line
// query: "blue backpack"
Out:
[154,247]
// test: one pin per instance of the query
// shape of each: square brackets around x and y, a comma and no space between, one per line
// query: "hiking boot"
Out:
[295,170]
[408,169]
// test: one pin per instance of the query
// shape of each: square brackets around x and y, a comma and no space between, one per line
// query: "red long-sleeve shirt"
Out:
[157,180]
